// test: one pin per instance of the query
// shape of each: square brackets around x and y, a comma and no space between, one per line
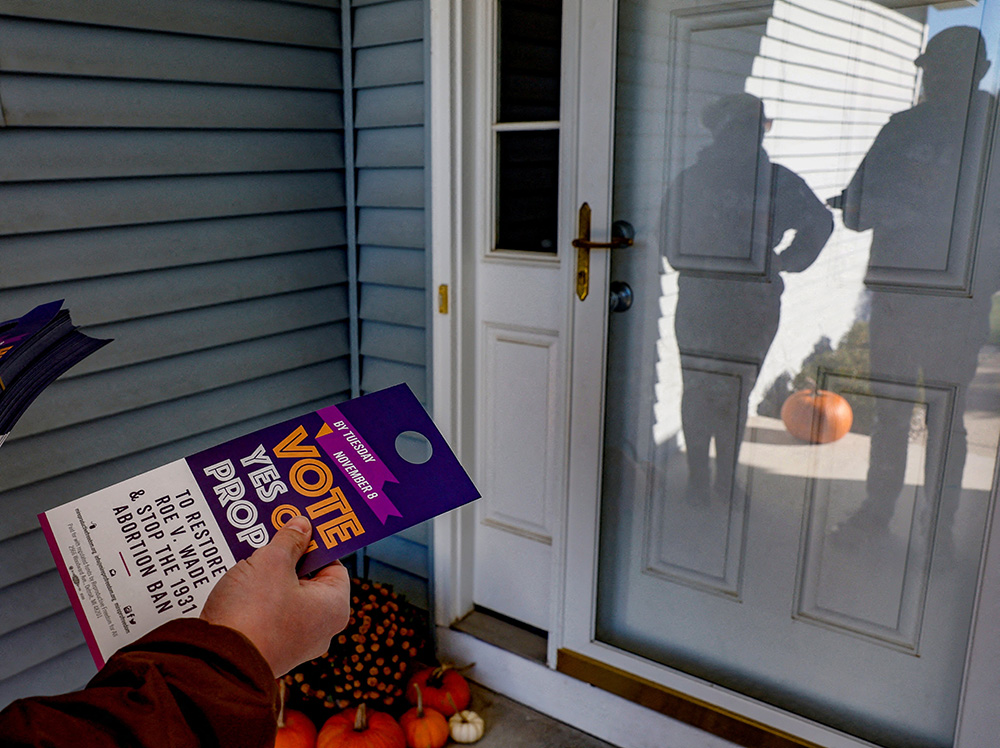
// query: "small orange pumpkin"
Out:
[817,416]
[361,728]
[295,729]
[436,684]
[424,728]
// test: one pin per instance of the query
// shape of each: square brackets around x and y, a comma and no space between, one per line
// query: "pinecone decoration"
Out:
[369,661]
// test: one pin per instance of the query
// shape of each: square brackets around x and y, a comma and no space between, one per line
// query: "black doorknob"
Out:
[620,298]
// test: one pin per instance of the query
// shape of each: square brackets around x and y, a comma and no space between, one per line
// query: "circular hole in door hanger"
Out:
[414,447]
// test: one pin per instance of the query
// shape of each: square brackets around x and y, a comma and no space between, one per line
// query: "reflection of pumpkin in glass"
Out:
[817,416]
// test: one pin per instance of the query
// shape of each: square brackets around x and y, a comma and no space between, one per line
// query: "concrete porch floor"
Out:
[513,725]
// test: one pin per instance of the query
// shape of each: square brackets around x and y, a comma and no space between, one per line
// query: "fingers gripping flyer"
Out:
[150,548]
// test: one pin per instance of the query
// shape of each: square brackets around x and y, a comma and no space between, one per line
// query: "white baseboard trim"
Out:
[587,708]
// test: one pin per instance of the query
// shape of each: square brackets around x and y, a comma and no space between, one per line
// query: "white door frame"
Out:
[453,531]
[458,34]
[572,622]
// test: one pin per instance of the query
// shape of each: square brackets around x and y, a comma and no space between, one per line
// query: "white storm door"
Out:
[837,592]
[517,254]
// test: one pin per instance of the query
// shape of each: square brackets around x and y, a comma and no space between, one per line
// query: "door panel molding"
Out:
[691,541]
[891,611]
[704,39]
[521,376]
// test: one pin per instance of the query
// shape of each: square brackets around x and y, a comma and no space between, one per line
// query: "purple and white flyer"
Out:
[151,548]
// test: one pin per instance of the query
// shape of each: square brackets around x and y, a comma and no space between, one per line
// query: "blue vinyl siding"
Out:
[390,234]
[175,170]
[241,207]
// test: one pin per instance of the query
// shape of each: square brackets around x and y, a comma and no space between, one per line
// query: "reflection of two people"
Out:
[726,215]
[913,188]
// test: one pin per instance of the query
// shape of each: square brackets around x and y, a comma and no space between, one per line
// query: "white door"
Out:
[816,208]
[515,251]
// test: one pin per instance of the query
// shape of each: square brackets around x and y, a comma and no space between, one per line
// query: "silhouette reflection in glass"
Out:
[928,322]
[724,218]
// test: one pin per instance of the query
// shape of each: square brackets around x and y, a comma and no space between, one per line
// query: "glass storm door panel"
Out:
[802,410]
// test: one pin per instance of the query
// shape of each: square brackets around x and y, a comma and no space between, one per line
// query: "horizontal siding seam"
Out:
[406,126]
[168,81]
[332,322]
[863,45]
[389,84]
[51,656]
[262,416]
[43,663]
[170,222]
[132,408]
[852,76]
[388,320]
[891,19]
[231,430]
[191,34]
[166,176]
[388,167]
[406,39]
[832,106]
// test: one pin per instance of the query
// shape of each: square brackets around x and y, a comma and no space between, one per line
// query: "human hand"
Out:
[289,620]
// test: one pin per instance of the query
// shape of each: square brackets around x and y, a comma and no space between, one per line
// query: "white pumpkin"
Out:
[466,726]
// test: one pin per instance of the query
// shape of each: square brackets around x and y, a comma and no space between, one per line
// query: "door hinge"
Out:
[443,298]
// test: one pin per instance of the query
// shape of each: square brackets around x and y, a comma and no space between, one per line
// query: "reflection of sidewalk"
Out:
[982,411]
[830,480]
[769,446]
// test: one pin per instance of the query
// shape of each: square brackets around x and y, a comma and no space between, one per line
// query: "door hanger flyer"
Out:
[151,548]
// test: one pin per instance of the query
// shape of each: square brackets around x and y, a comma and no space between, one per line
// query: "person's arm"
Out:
[188,683]
[202,682]
[799,208]
[850,201]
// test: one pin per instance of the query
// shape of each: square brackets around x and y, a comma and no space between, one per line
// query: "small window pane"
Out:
[527,190]
[529,60]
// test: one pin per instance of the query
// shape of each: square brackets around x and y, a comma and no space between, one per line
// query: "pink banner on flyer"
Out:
[358,462]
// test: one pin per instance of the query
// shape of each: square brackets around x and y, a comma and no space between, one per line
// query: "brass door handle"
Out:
[622,235]
[618,242]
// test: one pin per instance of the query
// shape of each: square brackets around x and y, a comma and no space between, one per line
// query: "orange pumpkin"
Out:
[424,728]
[817,416]
[361,728]
[436,684]
[295,729]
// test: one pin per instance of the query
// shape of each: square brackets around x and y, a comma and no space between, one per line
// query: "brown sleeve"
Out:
[188,683]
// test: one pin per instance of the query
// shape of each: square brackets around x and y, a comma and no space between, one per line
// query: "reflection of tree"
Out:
[732,209]
[848,359]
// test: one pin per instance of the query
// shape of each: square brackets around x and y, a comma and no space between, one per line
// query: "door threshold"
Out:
[567,699]
[730,726]
[507,634]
